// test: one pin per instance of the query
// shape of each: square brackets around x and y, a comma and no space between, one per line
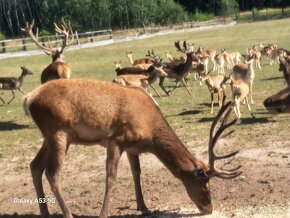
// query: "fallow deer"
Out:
[96,112]
[146,60]
[279,102]
[180,71]
[215,86]
[207,55]
[175,60]
[257,56]
[246,73]
[240,91]
[12,83]
[220,59]
[232,58]
[142,80]
[58,68]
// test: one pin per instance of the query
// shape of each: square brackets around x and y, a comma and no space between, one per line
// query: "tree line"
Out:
[86,15]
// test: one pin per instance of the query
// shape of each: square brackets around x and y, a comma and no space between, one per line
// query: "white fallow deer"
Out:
[215,86]
[13,83]
[246,73]
[95,112]
[58,68]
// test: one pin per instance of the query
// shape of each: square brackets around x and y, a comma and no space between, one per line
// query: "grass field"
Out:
[188,115]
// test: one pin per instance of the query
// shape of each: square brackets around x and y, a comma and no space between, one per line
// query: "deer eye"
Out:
[200,173]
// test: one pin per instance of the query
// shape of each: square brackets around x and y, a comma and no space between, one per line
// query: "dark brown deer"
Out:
[58,68]
[279,102]
[96,112]
[179,72]
[13,83]
[284,66]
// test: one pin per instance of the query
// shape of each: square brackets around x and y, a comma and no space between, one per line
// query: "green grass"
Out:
[189,115]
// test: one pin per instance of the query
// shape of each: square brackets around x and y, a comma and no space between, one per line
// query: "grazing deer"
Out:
[140,80]
[246,73]
[279,102]
[215,86]
[96,112]
[58,68]
[180,71]
[12,83]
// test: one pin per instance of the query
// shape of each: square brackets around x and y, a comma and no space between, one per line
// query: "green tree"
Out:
[229,8]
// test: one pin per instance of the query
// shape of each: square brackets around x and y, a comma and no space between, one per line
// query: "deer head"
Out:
[279,102]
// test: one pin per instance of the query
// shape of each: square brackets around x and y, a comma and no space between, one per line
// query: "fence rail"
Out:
[24,44]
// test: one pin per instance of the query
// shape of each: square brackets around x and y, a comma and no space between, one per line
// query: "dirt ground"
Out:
[261,191]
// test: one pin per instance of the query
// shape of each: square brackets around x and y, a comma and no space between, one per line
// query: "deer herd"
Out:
[85,111]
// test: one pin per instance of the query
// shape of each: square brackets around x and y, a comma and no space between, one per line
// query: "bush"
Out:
[2,36]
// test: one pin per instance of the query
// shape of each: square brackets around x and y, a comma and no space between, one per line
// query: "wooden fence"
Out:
[24,44]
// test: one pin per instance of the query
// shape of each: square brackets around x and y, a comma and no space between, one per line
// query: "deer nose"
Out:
[268,102]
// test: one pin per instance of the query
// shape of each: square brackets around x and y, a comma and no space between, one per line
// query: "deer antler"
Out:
[34,37]
[66,31]
[222,116]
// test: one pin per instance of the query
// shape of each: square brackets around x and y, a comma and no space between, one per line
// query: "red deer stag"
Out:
[58,68]
[12,83]
[96,112]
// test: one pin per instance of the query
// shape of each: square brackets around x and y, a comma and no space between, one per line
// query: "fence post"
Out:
[3,47]
[24,44]
[77,38]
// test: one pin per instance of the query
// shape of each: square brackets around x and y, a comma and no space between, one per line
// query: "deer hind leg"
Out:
[58,146]
[251,92]
[2,100]
[113,157]
[152,87]
[37,167]
[13,96]
[161,81]
[249,108]
[136,172]
[211,96]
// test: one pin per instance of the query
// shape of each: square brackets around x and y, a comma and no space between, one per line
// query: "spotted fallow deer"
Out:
[240,91]
[58,68]
[96,112]
[13,83]
[279,102]
[215,86]
[146,60]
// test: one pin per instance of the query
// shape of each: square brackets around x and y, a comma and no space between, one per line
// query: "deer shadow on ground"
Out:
[11,125]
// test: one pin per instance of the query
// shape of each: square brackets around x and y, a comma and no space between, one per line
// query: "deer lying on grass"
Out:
[246,73]
[96,112]
[143,81]
[215,86]
[58,68]
[240,91]
[279,102]
[180,71]
[12,83]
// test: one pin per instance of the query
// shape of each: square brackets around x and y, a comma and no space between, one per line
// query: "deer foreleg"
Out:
[249,108]
[161,81]
[251,92]
[136,171]
[113,157]
[211,95]
[13,96]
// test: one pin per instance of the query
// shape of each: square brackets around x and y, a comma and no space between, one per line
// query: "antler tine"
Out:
[34,37]
[177,45]
[66,31]
[222,117]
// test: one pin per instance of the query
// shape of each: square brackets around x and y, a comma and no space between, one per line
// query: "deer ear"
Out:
[200,173]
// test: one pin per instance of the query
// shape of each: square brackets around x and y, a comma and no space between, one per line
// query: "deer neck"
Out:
[131,59]
[174,155]
[152,77]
